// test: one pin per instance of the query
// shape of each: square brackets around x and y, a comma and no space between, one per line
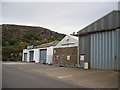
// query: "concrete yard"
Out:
[31,75]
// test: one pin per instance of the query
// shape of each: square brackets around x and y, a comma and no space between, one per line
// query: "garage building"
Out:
[99,43]
[28,54]
[44,52]
[39,54]
[65,52]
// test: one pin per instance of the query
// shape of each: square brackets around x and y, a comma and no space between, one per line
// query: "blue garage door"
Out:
[25,56]
[43,55]
[31,57]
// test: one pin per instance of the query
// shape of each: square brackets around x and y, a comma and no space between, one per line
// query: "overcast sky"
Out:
[63,17]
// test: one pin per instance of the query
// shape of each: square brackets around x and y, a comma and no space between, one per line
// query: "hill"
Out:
[16,37]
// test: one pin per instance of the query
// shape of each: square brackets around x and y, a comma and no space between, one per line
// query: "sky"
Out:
[62,17]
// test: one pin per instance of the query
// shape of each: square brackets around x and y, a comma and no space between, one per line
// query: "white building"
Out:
[28,55]
[40,54]
[68,41]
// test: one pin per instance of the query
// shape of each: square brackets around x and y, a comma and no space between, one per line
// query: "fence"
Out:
[65,60]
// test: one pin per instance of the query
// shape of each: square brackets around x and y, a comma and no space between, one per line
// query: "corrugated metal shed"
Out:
[100,43]
[103,50]
[108,22]
[84,49]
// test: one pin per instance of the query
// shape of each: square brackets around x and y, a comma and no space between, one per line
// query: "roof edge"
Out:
[80,31]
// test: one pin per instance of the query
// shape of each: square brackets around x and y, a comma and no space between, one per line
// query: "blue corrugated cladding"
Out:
[104,50]
[84,49]
[118,49]
[100,43]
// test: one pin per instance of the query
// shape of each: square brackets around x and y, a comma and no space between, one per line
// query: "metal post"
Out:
[78,63]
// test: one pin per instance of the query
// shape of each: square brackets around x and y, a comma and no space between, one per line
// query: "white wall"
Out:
[24,51]
[36,55]
[28,51]
[28,56]
[68,41]
[49,55]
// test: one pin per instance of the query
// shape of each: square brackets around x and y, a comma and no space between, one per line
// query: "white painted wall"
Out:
[28,54]
[36,55]
[24,51]
[71,41]
[49,55]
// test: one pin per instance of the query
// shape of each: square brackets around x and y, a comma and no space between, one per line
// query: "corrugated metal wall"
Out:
[111,20]
[103,50]
[84,48]
[100,43]
[118,48]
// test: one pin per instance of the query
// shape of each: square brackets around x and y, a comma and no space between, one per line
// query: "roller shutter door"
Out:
[43,55]
[25,56]
[31,57]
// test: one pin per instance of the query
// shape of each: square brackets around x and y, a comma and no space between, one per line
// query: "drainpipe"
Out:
[78,48]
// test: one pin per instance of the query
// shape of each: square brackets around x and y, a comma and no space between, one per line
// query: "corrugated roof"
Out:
[54,43]
[110,21]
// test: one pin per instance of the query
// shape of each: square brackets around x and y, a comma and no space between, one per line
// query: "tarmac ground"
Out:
[85,78]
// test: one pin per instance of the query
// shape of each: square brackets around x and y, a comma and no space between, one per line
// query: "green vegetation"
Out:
[16,37]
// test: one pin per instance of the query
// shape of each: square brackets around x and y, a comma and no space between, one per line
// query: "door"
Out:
[25,56]
[31,57]
[103,50]
[43,55]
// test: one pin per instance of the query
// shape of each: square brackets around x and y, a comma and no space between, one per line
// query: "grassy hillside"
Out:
[16,37]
